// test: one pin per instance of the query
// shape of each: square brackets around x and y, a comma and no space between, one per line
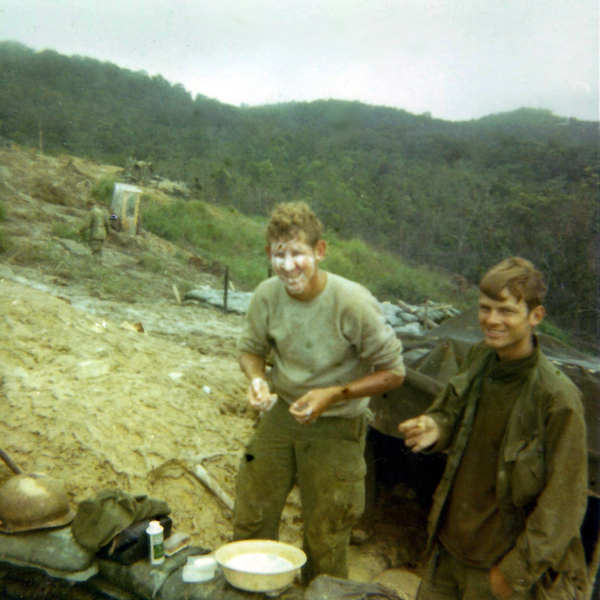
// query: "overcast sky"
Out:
[457,59]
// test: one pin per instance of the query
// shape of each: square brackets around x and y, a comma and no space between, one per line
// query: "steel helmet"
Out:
[33,501]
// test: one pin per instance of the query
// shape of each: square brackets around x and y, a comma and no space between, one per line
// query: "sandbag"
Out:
[333,588]
[218,589]
[53,551]
[142,578]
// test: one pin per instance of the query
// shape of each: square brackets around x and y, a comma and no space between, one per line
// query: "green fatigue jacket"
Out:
[97,222]
[541,482]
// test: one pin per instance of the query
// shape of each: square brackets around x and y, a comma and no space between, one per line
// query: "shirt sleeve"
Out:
[254,336]
[447,408]
[375,341]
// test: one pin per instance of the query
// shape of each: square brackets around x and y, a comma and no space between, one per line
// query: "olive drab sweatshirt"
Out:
[334,339]
[97,222]
[541,473]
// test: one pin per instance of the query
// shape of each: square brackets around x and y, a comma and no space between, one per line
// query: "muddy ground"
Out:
[91,400]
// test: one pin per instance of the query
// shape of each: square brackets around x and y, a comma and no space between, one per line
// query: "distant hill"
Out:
[456,195]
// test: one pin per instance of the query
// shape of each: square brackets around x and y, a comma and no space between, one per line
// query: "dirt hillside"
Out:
[98,404]
[85,396]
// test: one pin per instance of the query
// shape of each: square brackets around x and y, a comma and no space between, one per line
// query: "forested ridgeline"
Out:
[455,195]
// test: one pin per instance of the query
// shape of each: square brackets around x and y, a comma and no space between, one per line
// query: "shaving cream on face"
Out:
[295,263]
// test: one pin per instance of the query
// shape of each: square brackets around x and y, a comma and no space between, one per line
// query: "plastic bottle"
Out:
[155,538]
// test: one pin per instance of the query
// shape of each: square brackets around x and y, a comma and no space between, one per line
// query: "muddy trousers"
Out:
[96,247]
[326,460]
[448,578]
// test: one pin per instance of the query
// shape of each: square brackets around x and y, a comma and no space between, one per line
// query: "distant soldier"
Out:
[98,223]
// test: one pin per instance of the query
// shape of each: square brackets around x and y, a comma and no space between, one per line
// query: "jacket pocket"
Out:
[559,587]
[527,467]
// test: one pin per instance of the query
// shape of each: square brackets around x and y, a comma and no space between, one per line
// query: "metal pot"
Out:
[260,565]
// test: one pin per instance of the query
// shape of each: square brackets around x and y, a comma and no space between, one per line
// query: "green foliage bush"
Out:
[65,231]
[152,263]
[390,278]
[102,191]
[226,236]
[27,253]
[217,235]
[5,242]
[3,212]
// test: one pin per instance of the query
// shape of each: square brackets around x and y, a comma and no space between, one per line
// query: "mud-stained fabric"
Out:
[472,528]
[326,459]
[98,222]
[332,588]
[101,518]
[447,578]
[541,472]
[96,246]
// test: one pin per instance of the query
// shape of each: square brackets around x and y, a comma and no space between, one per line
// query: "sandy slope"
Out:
[99,405]
[91,400]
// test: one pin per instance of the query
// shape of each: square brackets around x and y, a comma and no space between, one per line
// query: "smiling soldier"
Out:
[331,350]
[507,513]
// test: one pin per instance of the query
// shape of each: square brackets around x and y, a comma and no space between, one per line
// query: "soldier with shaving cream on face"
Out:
[331,351]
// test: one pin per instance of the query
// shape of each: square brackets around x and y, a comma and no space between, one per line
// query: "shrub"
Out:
[102,191]
[65,231]
[152,263]
[4,241]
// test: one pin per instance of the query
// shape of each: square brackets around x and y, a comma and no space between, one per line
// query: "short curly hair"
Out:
[292,219]
[521,278]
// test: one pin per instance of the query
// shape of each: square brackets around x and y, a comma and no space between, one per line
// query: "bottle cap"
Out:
[154,528]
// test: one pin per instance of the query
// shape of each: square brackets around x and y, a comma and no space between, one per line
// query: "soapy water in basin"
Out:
[259,562]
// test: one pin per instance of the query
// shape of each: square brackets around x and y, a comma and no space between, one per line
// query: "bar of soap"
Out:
[175,543]
[198,569]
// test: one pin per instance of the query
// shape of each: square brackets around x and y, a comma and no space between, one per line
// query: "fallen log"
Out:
[203,476]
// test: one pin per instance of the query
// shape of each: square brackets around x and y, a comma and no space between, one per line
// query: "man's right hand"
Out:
[260,396]
[419,433]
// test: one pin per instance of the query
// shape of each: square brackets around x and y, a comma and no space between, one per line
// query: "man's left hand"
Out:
[499,585]
[308,408]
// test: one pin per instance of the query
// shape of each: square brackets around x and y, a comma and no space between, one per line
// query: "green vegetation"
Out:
[440,196]
[152,263]
[549,328]
[4,240]
[65,231]
[390,278]
[102,191]
[221,235]
[232,239]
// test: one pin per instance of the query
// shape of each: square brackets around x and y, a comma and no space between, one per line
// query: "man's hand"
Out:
[308,408]
[499,585]
[260,396]
[419,433]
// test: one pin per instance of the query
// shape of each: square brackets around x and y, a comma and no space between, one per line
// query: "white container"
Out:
[258,575]
[199,569]
[156,541]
